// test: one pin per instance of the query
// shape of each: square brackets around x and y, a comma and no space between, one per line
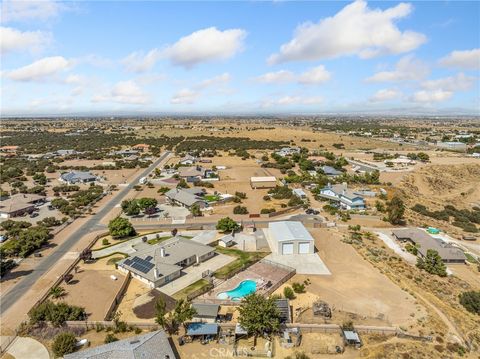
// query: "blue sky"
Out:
[239,57]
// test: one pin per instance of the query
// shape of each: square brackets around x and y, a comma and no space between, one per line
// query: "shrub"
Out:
[227,225]
[240,210]
[288,293]
[120,228]
[241,195]
[105,242]
[110,338]
[471,301]
[432,263]
[64,343]
[56,313]
[267,210]
[298,287]
[267,198]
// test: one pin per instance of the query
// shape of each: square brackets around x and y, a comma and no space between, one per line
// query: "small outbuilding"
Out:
[351,338]
[204,331]
[205,313]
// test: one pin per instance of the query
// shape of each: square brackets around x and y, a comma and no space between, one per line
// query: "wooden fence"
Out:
[118,297]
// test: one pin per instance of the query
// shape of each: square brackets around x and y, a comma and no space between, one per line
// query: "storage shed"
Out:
[263,182]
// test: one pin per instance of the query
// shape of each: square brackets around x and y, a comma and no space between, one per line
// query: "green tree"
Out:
[259,315]
[432,263]
[422,156]
[57,292]
[120,228]
[240,210]
[395,210]
[160,312]
[40,178]
[146,202]
[110,338]
[227,225]
[471,301]
[195,210]
[64,343]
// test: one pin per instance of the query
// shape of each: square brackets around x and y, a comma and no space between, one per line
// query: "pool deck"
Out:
[257,272]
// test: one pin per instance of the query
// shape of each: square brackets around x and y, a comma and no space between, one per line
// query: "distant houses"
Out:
[188,160]
[142,147]
[423,242]
[75,177]
[263,182]
[288,151]
[344,197]
[452,146]
[330,171]
[159,264]
[186,197]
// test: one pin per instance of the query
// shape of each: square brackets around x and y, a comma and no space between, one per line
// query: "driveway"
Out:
[205,237]
[303,263]
[194,273]
[393,245]
[28,348]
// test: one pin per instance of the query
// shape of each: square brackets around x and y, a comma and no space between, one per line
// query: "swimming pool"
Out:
[242,290]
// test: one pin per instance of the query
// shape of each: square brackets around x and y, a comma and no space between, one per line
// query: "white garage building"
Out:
[291,238]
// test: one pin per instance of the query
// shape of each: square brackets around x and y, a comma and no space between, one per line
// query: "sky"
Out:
[243,57]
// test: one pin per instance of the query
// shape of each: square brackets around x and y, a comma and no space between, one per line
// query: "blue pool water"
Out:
[242,290]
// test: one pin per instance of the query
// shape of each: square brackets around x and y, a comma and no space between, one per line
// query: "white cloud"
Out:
[184,96]
[314,76]
[140,62]
[460,82]
[205,45]
[40,70]
[407,69]
[385,95]
[25,10]
[15,40]
[468,59]
[124,92]
[425,96]
[354,30]
[216,80]
[292,100]
[282,76]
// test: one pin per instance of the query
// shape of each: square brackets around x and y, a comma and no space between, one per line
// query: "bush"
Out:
[64,343]
[227,225]
[298,287]
[288,293]
[241,195]
[267,198]
[471,301]
[105,242]
[267,210]
[432,263]
[110,338]
[56,313]
[240,210]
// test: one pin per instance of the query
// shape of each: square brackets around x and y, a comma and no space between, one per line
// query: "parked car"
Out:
[33,215]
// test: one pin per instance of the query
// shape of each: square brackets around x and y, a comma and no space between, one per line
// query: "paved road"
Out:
[91,225]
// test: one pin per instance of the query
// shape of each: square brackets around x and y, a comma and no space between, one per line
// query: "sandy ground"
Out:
[135,290]
[354,285]
[93,288]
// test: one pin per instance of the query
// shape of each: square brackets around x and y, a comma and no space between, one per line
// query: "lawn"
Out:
[114,260]
[470,258]
[212,197]
[244,260]
[158,240]
[185,292]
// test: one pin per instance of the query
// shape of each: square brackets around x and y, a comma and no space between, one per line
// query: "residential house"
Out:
[63,153]
[423,241]
[75,177]
[142,147]
[153,345]
[9,149]
[330,171]
[20,204]
[299,193]
[288,151]
[195,173]
[345,198]
[185,198]
[289,237]
[188,160]
[159,264]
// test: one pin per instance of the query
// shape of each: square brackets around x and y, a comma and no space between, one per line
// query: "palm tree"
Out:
[57,292]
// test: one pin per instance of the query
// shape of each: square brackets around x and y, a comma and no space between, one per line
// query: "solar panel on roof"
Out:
[148,258]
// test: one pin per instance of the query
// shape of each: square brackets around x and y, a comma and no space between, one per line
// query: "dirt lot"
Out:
[93,288]
[355,286]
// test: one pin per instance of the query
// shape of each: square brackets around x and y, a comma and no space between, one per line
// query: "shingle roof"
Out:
[153,345]
[182,196]
[330,171]
[288,231]
[206,310]
[426,242]
[77,176]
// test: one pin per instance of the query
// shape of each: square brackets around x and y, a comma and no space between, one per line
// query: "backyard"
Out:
[243,260]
